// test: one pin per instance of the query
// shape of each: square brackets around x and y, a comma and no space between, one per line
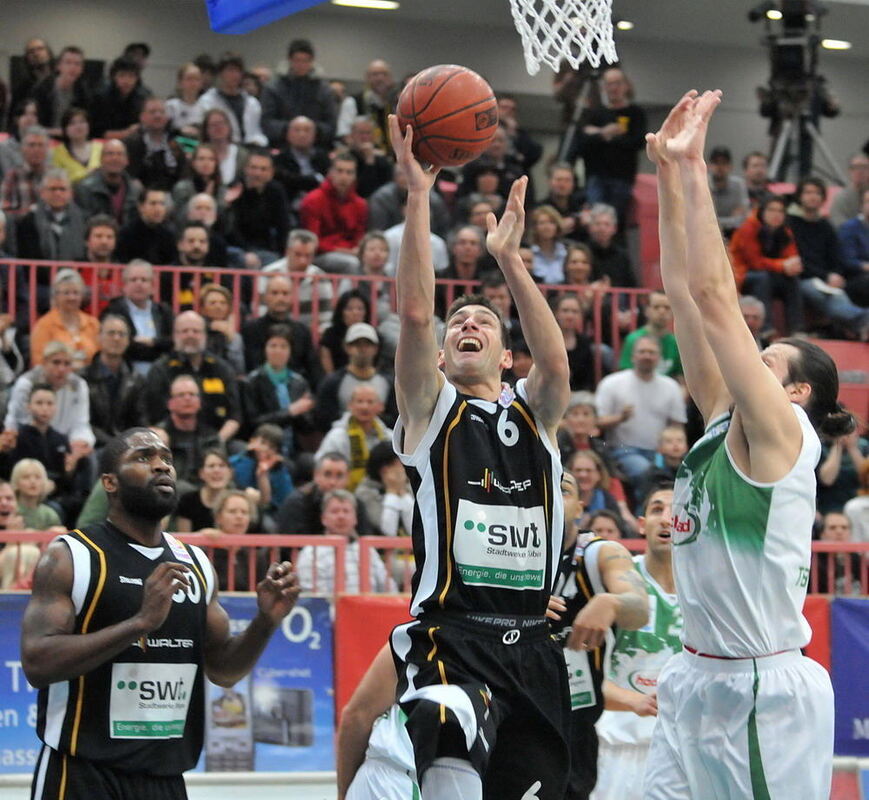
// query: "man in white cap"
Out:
[333,397]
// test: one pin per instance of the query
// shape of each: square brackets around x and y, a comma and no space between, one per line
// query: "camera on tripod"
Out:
[796,95]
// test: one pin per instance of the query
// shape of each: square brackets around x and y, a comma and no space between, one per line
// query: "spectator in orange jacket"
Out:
[766,263]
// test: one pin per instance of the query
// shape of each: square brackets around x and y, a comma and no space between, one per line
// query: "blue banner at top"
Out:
[241,16]
[849,633]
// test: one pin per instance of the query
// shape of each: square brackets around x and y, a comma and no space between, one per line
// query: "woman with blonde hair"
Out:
[66,322]
[31,485]
[184,112]
[546,245]
[233,514]
[223,338]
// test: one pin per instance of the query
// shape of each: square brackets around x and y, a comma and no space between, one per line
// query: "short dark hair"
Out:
[70,48]
[117,446]
[378,457]
[721,153]
[148,190]
[101,221]
[270,433]
[259,152]
[814,366]
[280,331]
[230,60]
[480,300]
[660,486]
[41,387]
[192,224]
[810,181]
[607,514]
[122,64]
[142,47]
[112,316]
[754,154]
[71,113]
[300,46]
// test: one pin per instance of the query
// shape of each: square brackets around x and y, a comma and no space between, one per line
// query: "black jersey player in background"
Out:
[122,623]
[481,683]
[600,590]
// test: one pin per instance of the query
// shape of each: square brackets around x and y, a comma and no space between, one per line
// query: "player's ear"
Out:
[441,360]
[641,526]
[110,482]
[506,359]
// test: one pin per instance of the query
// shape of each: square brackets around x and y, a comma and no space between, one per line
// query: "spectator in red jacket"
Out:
[338,215]
[766,263]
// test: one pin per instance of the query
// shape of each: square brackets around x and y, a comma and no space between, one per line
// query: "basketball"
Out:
[453,113]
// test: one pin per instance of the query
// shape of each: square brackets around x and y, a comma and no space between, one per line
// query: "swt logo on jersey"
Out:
[502,546]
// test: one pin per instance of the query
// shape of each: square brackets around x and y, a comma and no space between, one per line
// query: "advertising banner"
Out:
[278,719]
[849,622]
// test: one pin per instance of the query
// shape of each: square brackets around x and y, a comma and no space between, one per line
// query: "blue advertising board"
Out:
[849,633]
[279,719]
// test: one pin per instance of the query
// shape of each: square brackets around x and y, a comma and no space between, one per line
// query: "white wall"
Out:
[178,30]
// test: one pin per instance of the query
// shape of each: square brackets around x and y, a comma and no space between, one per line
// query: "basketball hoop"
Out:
[554,31]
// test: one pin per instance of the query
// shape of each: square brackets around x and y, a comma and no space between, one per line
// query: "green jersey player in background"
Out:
[630,689]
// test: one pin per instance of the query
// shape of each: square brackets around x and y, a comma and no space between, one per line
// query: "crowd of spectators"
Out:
[275,390]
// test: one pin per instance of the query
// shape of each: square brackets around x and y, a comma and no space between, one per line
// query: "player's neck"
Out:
[661,569]
[484,389]
[146,532]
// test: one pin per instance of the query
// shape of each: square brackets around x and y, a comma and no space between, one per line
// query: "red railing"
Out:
[602,300]
[399,563]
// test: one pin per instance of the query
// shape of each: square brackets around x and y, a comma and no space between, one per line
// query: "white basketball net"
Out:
[554,31]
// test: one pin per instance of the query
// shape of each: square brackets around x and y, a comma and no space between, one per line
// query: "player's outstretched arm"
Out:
[772,433]
[50,649]
[229,658]
[625,602]
[702,375]
[373,696]
[548,382]
[417,378]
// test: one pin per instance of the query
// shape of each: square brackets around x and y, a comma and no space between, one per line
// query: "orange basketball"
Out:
[453,113]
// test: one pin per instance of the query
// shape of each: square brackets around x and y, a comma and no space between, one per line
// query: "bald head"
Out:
[188,334]
[113,160]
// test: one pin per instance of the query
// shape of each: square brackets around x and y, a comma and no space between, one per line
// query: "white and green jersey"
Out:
[636,659]
[741,549]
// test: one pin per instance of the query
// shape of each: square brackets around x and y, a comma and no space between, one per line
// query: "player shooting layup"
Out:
[481,683]
[741,712]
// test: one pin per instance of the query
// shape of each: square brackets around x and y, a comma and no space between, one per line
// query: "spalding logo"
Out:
[486,119]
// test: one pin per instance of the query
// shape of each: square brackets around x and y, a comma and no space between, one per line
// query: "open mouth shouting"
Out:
[469,344]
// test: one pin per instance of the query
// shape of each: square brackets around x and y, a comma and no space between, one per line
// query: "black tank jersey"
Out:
[142,711]
[488,513]
[578,581]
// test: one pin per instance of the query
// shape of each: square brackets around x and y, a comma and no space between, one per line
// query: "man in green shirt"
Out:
[659,315]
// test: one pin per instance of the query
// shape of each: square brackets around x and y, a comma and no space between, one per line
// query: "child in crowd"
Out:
[42,442]
[262,467]
[31,486]
[672,446]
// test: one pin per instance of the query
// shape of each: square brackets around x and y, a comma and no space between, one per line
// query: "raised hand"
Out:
[417,177]
[689,142]
[276,594]
[504,237]
[656,147]
[161,584]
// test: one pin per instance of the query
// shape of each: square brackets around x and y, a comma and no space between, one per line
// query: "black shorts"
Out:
[59,776]
[583,756]
[496,687]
